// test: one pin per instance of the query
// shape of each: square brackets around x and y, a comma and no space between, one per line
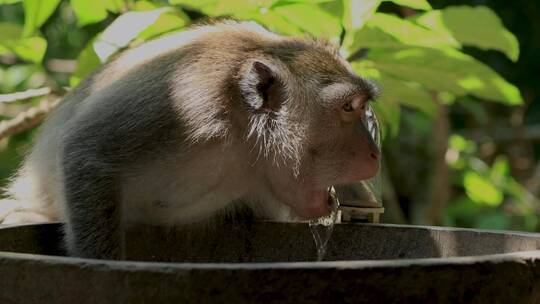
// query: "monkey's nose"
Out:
[374,155]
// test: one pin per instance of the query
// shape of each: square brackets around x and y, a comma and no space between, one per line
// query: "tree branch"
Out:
[18,96]
[30,118]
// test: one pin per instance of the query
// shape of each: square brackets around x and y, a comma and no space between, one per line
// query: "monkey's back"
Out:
[37,186]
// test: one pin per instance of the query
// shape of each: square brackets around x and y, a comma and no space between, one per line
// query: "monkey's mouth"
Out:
[332,199]
[315,203]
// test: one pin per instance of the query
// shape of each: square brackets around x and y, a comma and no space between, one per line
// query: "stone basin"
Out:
[267,262]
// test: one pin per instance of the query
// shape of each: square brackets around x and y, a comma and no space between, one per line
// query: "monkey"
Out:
[185,126]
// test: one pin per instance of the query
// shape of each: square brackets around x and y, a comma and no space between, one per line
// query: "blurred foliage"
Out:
[419,55]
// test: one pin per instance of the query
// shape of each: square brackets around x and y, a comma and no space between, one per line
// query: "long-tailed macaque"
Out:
[179,128]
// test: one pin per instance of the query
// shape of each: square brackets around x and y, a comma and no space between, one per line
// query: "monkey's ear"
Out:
[261,88]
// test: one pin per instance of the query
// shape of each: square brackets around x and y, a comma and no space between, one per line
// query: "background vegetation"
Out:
[460,139]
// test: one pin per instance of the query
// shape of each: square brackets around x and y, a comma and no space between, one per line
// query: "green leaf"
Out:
[355,14]
[311,18]
[30,49]
[478,110]
[459,143]
[391,32]
[481,190]
[290,18]
[94,11]
[334,8]
[477,26]
[277,23]
[278,3]
[16,75]
[36,12]
[123,30]
[409,33]
[416,4]
[165,23]
[408,94]
[493,220]
[4,50]
[216,8]
[9,1]
[9,31]
[500,170]
[396,91]
[446,70]
[370,37]
[464,209]
[87,62]
[389,114]
[144,6]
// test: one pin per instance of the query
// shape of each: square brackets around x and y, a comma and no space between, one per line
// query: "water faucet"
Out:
[360,201]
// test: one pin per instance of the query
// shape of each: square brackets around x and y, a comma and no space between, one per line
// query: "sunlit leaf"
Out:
[144,6]
[477,26]
[123,30]
[355,14]
[409,33]
[515,189]
[36,12]
[277,23]
[9,31]
[94,11]
[4,50]
[311,18]
[391,32]
[334,8]
[241,8]
[500,170]
[16,75]
[398,91]
[30,49]
[165,23]
[481,190]
[446,70]
[459,143]
[416,4]
[278,3]
[9,1]
[408,94]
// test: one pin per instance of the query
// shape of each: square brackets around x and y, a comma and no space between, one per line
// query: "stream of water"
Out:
[322,228]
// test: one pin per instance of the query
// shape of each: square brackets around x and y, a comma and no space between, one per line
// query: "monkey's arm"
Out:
[92,204]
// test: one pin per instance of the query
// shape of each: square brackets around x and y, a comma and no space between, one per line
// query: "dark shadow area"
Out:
[251,241]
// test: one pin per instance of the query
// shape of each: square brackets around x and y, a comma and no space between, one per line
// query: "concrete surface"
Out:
[264,262]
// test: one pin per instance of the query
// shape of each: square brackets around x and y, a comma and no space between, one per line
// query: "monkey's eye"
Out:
[352,105]
[348,107]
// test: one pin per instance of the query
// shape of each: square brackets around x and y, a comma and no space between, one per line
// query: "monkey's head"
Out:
[306,122]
